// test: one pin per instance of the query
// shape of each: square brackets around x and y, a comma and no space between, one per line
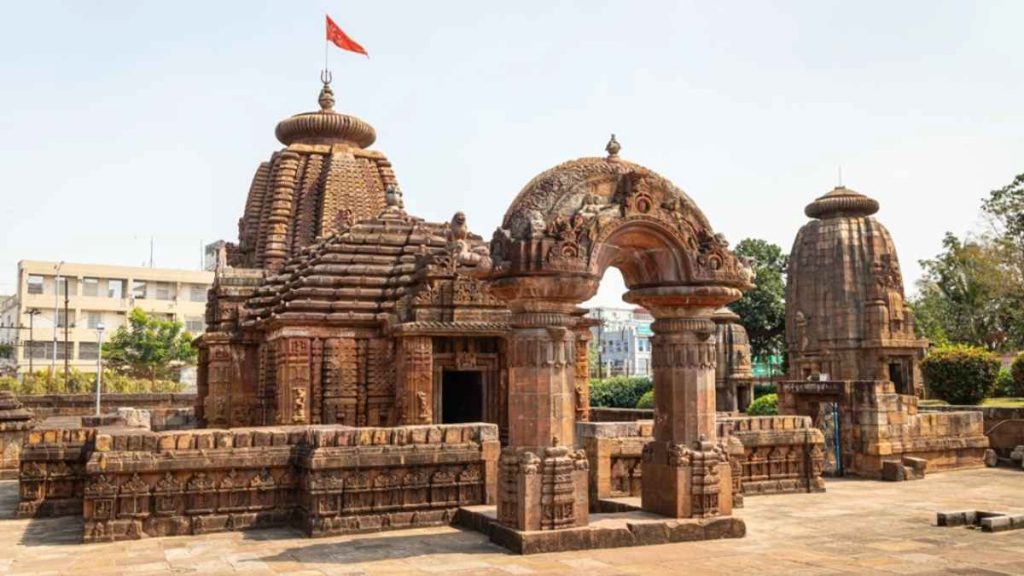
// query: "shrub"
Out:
[960,374]
[1017,374]
[618,391]
[1004,386]
[767,405]
[763,389]
[647,400]
[42,382]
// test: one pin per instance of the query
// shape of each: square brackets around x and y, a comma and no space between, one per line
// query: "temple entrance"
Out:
[462,396]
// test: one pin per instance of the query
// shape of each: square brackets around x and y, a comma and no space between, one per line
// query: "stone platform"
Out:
[856,527]
[630,527]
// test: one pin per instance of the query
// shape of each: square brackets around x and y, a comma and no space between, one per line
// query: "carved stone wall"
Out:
[322,479]
[15,423]
[52,476]
[47,405]
[768,455]
[877,424]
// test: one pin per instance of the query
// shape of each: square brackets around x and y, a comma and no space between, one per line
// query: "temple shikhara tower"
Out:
[853,354]
[336,306]
[846,316]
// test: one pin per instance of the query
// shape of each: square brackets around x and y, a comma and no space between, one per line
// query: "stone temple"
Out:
[853,354]
[338,307]
[847,317]
[366,370]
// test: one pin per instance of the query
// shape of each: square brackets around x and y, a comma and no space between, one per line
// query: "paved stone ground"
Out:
[857,527]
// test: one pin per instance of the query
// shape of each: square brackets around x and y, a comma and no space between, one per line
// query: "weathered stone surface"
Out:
[846,313]
[876,424]
[734,372]
[15,424]
[773,454]
[300,476]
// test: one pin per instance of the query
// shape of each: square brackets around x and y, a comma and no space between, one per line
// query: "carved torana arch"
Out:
[584,215]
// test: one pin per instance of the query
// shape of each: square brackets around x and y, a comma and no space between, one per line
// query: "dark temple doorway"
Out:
[899,377]
[462,396]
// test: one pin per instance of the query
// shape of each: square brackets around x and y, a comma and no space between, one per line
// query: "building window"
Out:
[62,319]
[164,291]
[43,350]
[197,293]
[36,349]
[88,350]
[115,289]
[35,284]
[139,289]
[91,287]
[195,324]
[94,319]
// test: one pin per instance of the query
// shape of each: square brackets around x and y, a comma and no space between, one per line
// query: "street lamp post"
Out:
[99,364]
[56,308]
[67,324]
[32,313]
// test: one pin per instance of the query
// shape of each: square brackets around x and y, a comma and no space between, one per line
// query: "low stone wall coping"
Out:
[319,436]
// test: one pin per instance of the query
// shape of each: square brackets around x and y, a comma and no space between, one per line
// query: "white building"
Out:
[623,341]
[54,306]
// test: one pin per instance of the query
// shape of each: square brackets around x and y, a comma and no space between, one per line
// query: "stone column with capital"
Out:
[542,479]
[685,468]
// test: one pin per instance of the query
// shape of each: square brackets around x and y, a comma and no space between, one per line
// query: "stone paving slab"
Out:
[857,527]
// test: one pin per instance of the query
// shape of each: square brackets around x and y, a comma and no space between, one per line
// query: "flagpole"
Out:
[323,75]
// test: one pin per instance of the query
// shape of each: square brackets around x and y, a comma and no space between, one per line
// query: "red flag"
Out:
[341,40]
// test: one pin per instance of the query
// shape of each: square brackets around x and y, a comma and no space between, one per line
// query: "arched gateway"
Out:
[563,230]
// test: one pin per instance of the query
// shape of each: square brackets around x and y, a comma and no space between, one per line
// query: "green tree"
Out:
[762,310]
[148,347]
[1005,207]
[966,296]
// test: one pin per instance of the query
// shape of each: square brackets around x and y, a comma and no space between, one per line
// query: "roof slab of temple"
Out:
[846,313]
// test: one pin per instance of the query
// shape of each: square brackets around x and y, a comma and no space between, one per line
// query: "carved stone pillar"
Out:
[217,403]
[293,380]
[414,392]
[582,372]
[542,479]
[685,469]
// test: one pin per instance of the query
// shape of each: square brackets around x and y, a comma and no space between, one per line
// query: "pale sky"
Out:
[125,120]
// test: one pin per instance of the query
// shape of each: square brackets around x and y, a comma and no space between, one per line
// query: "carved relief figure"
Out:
[299,405]
[423,413]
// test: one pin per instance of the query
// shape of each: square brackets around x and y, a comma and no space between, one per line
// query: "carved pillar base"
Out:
[542,493]
[682,482]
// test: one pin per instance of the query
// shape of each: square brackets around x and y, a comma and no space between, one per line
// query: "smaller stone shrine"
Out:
[853,354]
[734,372]
[846,314]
